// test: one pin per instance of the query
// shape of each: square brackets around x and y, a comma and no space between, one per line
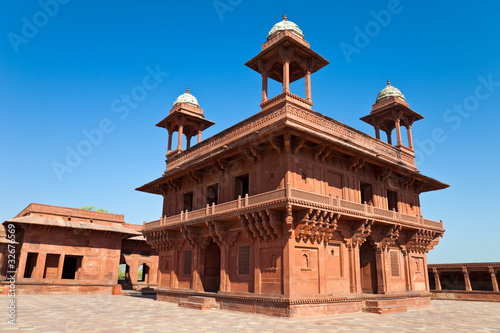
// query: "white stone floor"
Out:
[91,313]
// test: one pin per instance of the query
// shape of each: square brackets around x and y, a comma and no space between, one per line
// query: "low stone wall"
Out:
[57,289]
[461,295]
[285,307]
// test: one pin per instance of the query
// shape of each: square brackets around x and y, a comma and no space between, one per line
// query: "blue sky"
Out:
[63,75]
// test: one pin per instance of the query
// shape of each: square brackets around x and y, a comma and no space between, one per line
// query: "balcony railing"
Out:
[297,198]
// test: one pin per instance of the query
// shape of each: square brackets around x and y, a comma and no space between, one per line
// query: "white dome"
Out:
[187,98]
[389,91]
[286,25]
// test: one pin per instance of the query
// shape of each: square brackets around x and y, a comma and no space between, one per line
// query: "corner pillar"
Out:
[199,137]
[389,137]
[264,87]
[410,138]
[468,286]
[398,131]
[179,140]
[308,86]
[169,149]
[437,281]
[494,281]
[381,276]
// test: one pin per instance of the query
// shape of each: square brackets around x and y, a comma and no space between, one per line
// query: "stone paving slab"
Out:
[92,313]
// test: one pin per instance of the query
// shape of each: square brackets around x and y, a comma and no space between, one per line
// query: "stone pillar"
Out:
[264,87]
[354,271]
[377,132]
[468,286]
[199,137]
[174,281]
[381,276]
[223,267]
[169,149]
[60,266]
[257,287]
[308,86]
[179,140]
[134,272]
[494,281]
[40,265]
[437,281]
[408,280]
[398,131]
[196,269]
[389,137]
[321,268]
[286,54]
[286,75]
[289,266]
[188,141]
[410,139]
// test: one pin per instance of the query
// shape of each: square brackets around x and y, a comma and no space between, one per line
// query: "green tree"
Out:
[92,208]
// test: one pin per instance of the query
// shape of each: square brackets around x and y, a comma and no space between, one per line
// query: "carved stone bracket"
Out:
[421,240]
[390,236]
[361,232]
[191,235]
[218,231]
[162,240]
[383,173]
[196,176]
[316,225]
[174,184]
[262,224]
[355,164]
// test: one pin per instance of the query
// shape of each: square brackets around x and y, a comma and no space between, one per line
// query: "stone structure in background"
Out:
[65,250]
[472,282]
[289,212]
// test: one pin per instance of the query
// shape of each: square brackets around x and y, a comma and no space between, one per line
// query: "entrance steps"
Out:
[200,303]
[382,306]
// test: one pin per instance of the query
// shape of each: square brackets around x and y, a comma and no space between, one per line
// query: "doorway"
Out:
[212,268]
[368,269]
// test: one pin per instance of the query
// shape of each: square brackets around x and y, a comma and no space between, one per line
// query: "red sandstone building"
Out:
[290,212]
[66,250]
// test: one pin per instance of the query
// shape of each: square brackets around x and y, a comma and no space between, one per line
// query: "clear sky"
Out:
[66,68]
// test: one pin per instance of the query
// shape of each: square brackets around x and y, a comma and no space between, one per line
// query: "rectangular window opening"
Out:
[29,270]
[241,185]
[51,266]
[366,193]
[71,267]
[213,194]
[392,200]
[188,201]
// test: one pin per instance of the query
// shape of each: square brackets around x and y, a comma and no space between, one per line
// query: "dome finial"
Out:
[187,90]
[388,82]
[284,17]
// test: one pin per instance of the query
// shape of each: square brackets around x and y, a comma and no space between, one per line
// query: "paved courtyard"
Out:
[89,313]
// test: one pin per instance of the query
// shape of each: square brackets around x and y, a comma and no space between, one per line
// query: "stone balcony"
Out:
[297,198]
